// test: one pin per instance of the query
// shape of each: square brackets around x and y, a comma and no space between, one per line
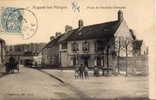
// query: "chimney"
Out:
[68,28]
[57,34]
[120,16]
[80,23]
[51,38]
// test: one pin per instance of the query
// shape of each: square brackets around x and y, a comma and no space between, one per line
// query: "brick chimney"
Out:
[120,16]
[57,34]
[51,38]
[68,28]
[80,23]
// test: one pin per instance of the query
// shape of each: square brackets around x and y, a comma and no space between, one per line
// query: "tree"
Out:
[127,45]
[118,41]
[123,48]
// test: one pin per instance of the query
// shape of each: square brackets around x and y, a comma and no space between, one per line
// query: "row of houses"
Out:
[93,45]
[24,53]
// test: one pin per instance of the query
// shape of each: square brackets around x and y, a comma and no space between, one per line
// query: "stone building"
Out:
[91,45]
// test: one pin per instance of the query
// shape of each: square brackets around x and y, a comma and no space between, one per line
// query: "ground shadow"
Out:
[2,74]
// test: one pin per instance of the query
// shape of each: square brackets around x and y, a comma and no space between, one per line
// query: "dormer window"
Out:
[85,46]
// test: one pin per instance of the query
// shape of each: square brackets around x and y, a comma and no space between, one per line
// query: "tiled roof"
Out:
[65,36]
[53,42]
[97,31]
[132,34]
[137,43]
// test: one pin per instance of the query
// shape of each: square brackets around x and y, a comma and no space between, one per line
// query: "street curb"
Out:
[51,75]
[71,87]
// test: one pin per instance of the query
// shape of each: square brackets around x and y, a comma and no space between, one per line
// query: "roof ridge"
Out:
[101,23]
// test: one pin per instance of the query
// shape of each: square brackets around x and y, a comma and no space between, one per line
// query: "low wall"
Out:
[135,65]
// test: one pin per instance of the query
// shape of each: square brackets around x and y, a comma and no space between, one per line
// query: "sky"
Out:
[139,15]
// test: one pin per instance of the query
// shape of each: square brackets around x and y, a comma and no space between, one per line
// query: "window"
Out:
[100,45]
[64,45]
[75,47]
[85,46]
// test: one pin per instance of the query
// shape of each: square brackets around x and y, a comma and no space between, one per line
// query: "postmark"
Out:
[19,20]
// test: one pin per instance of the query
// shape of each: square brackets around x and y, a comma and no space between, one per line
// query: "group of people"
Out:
[81,72]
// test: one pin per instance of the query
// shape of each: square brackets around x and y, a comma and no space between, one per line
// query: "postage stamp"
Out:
[19,20]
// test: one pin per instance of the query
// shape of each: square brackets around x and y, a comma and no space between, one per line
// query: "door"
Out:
[86,62]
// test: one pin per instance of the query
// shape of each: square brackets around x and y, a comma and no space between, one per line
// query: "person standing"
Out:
[86,72]
[81,70]
[77,73]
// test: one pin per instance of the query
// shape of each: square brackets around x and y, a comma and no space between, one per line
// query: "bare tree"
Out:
[118,49]
[127,42]
[123,46]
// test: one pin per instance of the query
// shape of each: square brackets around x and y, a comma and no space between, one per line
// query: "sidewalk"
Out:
[2,70]
[106,87]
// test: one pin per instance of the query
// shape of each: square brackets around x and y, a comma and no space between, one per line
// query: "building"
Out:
[24,53]
[2,51]
[101,45]
[96,45]
[50,53]
[110,45]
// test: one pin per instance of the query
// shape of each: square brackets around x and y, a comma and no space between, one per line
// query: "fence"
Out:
[133,65]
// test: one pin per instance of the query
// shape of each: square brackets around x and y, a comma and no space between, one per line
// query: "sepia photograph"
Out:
[77,50]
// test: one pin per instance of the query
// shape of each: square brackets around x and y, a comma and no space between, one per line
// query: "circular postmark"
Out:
[20,20]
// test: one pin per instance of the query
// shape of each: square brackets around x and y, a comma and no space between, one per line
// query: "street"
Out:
[48,84]
[31,84]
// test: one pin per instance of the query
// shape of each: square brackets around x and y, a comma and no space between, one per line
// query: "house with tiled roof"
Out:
[50,52]
[90,45]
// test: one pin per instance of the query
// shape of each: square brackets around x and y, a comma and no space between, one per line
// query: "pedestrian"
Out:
[12,64]
[86,72]
[7,69]
[96,71]
[77,73]
[81,70]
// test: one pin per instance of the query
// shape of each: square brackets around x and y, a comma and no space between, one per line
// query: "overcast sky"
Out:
[137,13]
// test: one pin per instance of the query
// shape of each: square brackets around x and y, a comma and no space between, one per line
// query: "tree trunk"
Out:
[126,62]
[118,61]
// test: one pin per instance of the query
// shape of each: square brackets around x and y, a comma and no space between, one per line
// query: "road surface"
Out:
[46,84]
[31,84]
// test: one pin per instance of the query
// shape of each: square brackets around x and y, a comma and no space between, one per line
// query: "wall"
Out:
[51,56]
[91,47]
[136,65]
[124,36]
[67,55]
[81,52]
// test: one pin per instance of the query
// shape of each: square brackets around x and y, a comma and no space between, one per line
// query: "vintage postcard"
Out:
[77,50]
